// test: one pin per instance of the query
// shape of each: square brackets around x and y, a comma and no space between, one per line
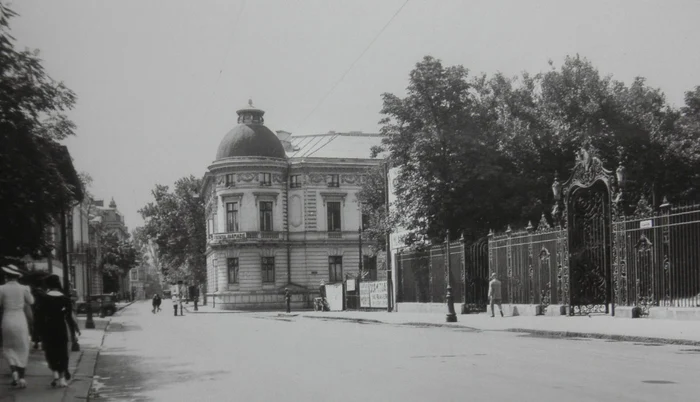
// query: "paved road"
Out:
[261,357]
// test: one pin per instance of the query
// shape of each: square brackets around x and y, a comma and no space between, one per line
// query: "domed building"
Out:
[282,212]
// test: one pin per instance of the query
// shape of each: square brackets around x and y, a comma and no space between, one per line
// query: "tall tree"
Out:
[38,181]
[479,153]
[119,256]
[175,224]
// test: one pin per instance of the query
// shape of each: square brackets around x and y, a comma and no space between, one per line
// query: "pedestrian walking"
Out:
[155,303]
[495,293]
[59,329]
[175,303]
[15,300]
[160,300]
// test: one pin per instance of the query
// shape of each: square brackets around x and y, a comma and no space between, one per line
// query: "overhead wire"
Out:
[347,71]
[226,53]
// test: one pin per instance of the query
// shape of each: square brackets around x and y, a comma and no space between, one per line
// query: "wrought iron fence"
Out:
[531,265]
[656,258]
[423,274]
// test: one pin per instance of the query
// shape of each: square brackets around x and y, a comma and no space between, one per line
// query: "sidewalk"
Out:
[603,327]
[39,377]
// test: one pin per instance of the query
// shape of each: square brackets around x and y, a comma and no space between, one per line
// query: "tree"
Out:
[373,204]
[479,153]
[175,225]
[439,147]
[119,256]
[38,181]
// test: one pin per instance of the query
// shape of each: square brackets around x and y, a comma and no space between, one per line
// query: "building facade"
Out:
[276,220]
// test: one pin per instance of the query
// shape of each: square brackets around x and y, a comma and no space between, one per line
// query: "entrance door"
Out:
[589,245]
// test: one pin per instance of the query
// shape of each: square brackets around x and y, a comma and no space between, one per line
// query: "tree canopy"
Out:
[119,256]
[175,226]
[38,180]
[476,152]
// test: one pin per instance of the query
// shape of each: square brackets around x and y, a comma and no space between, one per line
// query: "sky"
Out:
[159,82]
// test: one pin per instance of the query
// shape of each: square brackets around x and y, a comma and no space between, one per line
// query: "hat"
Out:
[12,270]
[493,274]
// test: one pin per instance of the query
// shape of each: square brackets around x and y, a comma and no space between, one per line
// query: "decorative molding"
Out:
[587,170]
[266,194]
[333,196]
[294,202]
[267,252]
[350,179]
[246,177]
[335,251]
[315,178]
[277,178]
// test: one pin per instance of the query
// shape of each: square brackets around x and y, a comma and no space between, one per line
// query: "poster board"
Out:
[334,296]
[373,294]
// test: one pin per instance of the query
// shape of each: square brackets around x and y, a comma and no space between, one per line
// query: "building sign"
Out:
[373,294]
[646,224]
[351,285]
[229,236]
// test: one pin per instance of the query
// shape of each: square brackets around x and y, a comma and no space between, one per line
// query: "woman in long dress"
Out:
[15,331]
[58,326]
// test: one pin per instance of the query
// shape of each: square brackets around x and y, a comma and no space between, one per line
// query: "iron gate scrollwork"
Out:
[588,209]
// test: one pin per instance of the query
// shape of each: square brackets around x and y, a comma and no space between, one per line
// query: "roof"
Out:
[250,140]
[250,137]
[334,145]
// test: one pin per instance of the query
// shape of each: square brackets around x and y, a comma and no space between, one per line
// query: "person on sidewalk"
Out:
[15,329]
[59,329]
[155,303]
[176,303]
[160,300]
[495,293]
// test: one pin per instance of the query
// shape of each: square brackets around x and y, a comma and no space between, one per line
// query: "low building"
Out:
[282,212]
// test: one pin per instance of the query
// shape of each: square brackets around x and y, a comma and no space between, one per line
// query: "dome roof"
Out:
[250,137]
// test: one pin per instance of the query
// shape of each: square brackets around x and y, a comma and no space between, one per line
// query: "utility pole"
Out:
[388,239]
[64,253]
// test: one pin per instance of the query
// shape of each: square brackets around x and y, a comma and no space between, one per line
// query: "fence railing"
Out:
[656,258]
[530,265]
[655,261]
[423,275]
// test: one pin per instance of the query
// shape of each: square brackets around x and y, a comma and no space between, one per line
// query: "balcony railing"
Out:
[335,235]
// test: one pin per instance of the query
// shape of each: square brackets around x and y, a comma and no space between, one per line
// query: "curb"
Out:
[610,337]
[532,332]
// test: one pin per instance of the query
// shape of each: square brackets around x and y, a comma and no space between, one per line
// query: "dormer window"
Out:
[334,180]
[266,179]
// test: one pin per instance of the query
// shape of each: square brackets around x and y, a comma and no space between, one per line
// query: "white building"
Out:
[282,212]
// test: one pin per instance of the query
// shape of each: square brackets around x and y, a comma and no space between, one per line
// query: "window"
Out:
[295,181]
[232,267]
[335,268]
[266,179]
[266,216]
[334,180]
[268,269]
[369,264]
[333,216]
[232,217]
[229,180]
[365,221]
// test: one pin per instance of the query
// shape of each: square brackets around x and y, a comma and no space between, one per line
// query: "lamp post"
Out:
[451,315]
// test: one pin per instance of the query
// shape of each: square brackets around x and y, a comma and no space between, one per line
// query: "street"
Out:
[266,357]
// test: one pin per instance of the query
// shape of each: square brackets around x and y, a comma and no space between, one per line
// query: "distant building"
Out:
[282,212]
[112,221]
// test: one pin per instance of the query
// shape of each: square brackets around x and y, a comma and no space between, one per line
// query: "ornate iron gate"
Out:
[589,244]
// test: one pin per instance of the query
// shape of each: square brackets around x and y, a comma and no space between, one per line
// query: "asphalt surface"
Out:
[263,357]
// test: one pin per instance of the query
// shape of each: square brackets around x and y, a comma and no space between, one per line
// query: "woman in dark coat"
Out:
[58,327]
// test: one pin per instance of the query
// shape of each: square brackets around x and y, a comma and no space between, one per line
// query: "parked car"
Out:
[106,302]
